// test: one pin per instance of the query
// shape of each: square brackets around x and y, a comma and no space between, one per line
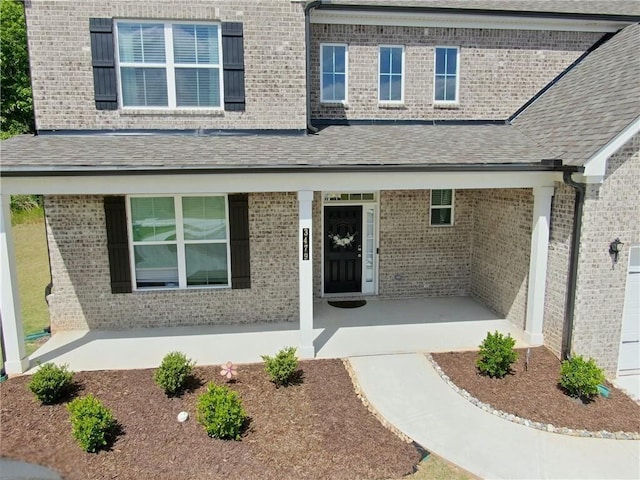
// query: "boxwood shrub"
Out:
[50,383]
[220,411]
[496,355]
[93,425]
[580,378]
[282,367]
[173,372]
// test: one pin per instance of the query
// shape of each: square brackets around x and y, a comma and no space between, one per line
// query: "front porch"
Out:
[378,328]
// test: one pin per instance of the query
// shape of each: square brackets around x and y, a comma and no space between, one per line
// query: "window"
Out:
[333,78]
[446,74]
[179,242]
[169,65]
[441,207]
[391,67]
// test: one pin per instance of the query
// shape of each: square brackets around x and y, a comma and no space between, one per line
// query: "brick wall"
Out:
[611,210]
[558,266]
[60,51]
[417,259]
[501,250]
[499,69]
[82,295]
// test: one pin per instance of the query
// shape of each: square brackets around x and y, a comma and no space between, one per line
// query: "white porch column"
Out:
[10,315]
[305,262]
[538,264]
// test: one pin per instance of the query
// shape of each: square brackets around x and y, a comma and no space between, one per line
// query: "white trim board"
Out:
[596,167]
[272,182]
[449,20]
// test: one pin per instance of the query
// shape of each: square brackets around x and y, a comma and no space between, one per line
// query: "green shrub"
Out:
[220,412]
[580,378]
[172,373]
[282,367]
[51,382]
[496,355]
[93,424]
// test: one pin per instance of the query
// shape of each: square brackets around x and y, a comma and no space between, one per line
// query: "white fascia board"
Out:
[595,168]
[271,182]
[497,22]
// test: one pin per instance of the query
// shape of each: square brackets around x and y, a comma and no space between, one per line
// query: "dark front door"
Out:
[343,249]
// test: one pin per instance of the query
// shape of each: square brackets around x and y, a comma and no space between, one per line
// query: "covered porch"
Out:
[380,327]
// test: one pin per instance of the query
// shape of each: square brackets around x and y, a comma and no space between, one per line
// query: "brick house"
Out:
[212,162]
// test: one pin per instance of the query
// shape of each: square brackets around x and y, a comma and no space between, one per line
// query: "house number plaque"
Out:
[305,244]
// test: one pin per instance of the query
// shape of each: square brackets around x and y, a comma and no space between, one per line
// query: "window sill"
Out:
[182,290]
[446,105]
[175,111]
[344,105]
[392,106]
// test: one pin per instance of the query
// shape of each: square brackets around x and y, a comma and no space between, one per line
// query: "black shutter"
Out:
[117,244]
[239,236]
[233,66]
[104,65]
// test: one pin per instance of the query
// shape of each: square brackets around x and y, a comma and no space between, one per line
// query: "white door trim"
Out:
[364,204]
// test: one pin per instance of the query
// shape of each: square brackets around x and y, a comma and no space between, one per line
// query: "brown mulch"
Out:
[314,430]
[535,394]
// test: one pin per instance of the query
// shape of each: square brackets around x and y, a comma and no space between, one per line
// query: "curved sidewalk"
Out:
[408,392]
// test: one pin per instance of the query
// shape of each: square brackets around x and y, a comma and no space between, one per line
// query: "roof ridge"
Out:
[604,39]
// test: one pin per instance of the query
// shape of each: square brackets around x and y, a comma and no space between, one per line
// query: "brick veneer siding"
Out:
[501,250]
[62,76]
[82,295]
[417,259]
[499,69]
[558,266]
[611,210]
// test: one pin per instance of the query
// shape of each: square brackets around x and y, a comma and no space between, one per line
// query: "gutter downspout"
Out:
[307,40]
[569,310]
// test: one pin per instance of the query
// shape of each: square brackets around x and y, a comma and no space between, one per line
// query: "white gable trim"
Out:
[595,168]
[496,22]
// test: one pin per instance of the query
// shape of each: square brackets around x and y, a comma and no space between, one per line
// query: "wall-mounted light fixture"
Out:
[614,250]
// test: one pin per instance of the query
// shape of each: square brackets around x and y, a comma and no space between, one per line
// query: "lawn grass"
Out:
[32,263]
[435,468]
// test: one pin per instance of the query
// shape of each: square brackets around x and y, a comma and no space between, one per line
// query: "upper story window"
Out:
[180,241]
[391,74]
[169,64]
[333,78]
[446,74]
[441,208]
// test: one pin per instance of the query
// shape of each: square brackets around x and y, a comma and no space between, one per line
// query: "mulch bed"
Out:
[314,430]
[535,394]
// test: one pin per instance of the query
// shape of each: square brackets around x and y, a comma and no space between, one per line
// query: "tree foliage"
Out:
[16,111]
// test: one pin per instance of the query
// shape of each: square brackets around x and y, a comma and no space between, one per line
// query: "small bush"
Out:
[496,355]
[172,373]
[93,424]
[51,382]
[220,412]
[282,367]
[580,378]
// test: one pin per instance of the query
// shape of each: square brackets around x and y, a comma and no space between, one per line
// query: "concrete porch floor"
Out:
[379,327]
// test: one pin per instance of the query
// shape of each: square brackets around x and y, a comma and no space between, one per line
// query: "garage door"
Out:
[630,347]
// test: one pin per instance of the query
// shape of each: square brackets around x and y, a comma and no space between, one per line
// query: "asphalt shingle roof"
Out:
[602,7]
[360,145]
[591,104]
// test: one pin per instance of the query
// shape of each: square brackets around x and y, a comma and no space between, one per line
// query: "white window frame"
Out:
[402,77]
[434,207]
[435,73]
[169,65]
[180,243]
[346,73]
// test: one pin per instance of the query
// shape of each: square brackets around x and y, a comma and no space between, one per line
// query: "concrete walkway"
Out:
[408,392]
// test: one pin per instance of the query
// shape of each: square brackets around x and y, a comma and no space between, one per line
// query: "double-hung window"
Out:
[179,241]
[441,208]
[169,64]
[391,74]
[333,77]
[446,79]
